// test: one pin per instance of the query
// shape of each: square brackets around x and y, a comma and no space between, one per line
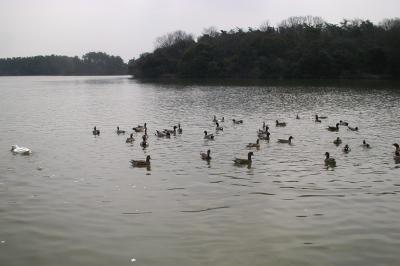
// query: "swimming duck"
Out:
[140,128]
[329,161]
[286,140]
[218,128]
[208,136]
[337,141]
[352,128]
[120,131]
[160,134]
[215,120]
[205,156]
[254,145]
[365,144]
[237,121]
[179,129]
[141,163]
[317,119]
[130,139]
[346,149]
[144,143]
[397,146]
[96,132]
[263,136]
[20,150]
[397,157]
[239,161]
[280,124]
[171,131]
[333,129]
[264,129]
[343,123]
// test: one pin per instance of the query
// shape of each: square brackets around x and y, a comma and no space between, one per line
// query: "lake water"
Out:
[77,200]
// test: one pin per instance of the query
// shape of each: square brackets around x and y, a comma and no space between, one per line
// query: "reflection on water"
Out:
[78,201]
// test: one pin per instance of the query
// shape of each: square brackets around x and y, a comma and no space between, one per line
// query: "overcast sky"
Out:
[129,27]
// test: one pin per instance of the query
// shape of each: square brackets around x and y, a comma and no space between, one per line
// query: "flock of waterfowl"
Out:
[263,134]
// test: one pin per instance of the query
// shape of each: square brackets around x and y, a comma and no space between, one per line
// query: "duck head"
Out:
[327,154]
[396,145]
[148,158]
[249,155]
[205,132]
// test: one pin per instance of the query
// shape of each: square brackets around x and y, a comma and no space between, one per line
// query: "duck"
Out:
[205,156]
[329,161]
[366,145]
[352,128]
[280,124]
[218,128]
[215,120]
[264,129]
[346,149]
[297,116]
[322,117]
[20,150]
[120,131]
[130,139]
[141,163]
[179,129]
[208,136]
[96,132]
[289,140]
[171,131]
[263,136]
[343,123]
[397,157]
[397,147]
[239,161]
[237,121]
[317,119]
[140,128]
[254,145]
[160,134]
[333,129]
[144,143]
[337,141]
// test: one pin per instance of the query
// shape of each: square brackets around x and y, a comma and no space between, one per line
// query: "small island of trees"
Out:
[93,63]
[299,47]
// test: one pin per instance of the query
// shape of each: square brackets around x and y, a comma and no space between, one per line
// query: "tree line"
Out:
[299,47]
[93,63]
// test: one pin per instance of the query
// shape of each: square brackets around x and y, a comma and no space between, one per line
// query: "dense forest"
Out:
[299,47]
[93,63]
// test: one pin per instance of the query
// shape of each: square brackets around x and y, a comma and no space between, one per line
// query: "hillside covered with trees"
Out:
[93,63]
[299,47]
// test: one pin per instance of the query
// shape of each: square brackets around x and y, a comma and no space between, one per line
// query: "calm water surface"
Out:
[77,201]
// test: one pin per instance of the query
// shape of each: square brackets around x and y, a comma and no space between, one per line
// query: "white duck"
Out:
[20,150]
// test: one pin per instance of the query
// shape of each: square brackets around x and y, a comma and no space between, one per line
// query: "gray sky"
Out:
[129,27]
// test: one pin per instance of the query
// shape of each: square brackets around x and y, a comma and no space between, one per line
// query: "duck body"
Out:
[139,128]
[20,150]
[239,161]
[280,124]
[352,128]
[208,136]
[263,136]
[171,131]
[346,149]
[337,141]
[205,156]
[397,157]
[329,161]
[119,131]
[218,127]
[96,132]
[237,122]
[254,145]
[366,145]
[333,129]
[289,140]
[130,139]
[141,163]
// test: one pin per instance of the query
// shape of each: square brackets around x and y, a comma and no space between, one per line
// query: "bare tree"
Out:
[172,38]
[310,21]
[211,31]
[390,23]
